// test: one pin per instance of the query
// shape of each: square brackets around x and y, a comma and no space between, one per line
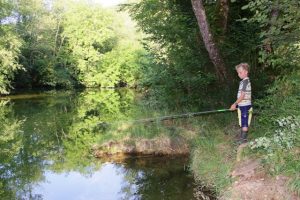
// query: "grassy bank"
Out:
[213,152]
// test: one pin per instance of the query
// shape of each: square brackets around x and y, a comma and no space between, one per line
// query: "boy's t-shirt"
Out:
[245,86]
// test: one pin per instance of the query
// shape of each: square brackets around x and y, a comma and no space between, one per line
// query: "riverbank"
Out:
[201,138]
[215,159]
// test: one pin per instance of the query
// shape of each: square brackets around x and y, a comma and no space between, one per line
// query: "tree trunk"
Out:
[223,7]
[209,43]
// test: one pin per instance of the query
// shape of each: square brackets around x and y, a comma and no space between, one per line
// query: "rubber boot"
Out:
[240,139]
[244,136]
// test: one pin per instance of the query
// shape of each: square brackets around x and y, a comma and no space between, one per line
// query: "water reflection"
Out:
[103,184]
[157,178]
[121,181]
[45,151]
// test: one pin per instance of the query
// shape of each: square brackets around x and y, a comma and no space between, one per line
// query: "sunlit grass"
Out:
[213,156]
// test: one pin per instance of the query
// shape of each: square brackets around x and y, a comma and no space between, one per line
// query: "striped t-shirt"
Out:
[245,86]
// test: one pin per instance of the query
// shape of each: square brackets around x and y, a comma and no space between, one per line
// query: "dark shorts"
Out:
[245,115]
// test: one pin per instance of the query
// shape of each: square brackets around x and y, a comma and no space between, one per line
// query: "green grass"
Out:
[213,152]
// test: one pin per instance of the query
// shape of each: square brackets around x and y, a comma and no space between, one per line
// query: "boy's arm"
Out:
[233,106]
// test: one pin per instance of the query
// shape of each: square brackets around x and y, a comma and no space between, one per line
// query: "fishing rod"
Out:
[186,115]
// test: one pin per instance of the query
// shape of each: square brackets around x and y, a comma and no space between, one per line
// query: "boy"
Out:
[243,102]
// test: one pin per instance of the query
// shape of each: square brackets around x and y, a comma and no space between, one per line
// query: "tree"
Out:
[60,52]
[223,7]
[211,46]
[178,59]
[39,28]
[279,33]
[10,45]
[97,52]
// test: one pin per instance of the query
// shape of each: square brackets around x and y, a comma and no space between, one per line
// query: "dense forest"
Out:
[52,44]
[171,51]
[65,45]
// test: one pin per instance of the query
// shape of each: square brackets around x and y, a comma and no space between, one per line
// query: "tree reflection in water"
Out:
[157,178]
[54,132]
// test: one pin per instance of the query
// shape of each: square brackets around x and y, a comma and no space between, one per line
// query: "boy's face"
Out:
[242,73]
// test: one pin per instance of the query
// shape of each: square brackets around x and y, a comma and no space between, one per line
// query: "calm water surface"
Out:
[160,180]
[45,151]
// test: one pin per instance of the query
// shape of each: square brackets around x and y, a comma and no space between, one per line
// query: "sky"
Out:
[109,3]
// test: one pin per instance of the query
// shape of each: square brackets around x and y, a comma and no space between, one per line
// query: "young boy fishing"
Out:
[243,103]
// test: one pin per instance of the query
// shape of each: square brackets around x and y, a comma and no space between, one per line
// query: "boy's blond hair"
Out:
[245,66]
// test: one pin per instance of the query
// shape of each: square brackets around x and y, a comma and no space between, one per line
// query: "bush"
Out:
[278,129]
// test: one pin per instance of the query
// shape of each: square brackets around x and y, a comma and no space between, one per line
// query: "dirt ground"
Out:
[252,183]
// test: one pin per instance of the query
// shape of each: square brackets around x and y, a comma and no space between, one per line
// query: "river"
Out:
[45,143]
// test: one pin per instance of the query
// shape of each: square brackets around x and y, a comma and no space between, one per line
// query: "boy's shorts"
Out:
[245,115]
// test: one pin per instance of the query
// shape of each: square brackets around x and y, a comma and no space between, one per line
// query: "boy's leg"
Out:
[245,119]
[240,124]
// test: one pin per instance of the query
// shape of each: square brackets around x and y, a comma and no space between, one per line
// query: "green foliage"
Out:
[279,32]
[40,30]
[181,67]
[282,100]
[10,44]
[97,51]
[279,151]
[87,41]
[179,60]
[284,138]
[278,142]
[6,8]
[123,70]
[57,51]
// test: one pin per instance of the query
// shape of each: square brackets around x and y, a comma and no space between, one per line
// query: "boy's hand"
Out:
[233,107]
